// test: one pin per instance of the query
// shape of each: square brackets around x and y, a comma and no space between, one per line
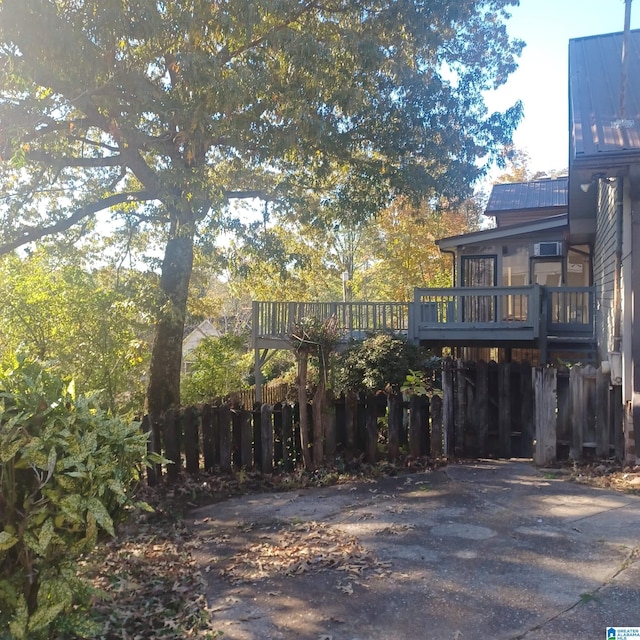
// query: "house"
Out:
[193,338]
[521,290]
[558,278]
[604,199]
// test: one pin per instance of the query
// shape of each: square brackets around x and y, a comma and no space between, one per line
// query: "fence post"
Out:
[578,412]
[278,438]
[394,421]
[415,425]
[448,404]
[602,414]
[350,418]
[482,403]
[266,424]
[372,429]
[246,438]
[288,437]
[209,447]
[436,426]
[257,435]
[545,413]
[460,409]
[504,408]
[526,410]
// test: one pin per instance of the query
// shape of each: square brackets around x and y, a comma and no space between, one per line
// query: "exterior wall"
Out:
[498,249]
[606,245]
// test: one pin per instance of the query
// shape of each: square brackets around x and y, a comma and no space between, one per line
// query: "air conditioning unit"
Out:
[543,249]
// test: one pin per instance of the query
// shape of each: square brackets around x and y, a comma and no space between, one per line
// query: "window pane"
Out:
[547,273]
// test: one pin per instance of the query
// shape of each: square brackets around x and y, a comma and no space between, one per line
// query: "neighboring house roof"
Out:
[603,127]
[536,194]
[519,202]
[204,330]
[551,223]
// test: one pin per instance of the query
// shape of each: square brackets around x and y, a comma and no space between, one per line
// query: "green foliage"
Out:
[415,384]
[67,471]
[218,366]
[160,114]
[378,363]
[90,324]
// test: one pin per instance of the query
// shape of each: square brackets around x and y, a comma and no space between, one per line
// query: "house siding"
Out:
[607,241]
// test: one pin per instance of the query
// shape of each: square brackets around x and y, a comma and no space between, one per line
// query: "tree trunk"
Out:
[303,361]
[163,391]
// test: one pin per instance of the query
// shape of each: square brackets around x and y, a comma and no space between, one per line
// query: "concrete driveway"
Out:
[495,549]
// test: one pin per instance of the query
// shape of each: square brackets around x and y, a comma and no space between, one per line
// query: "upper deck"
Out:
[533,316]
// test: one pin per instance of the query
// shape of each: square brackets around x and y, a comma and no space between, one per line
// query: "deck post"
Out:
[257,372]
[544,312]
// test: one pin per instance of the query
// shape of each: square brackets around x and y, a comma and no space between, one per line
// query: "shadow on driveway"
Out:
[495,549]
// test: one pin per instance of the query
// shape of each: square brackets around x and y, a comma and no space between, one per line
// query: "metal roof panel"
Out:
[603,119]
[537,194]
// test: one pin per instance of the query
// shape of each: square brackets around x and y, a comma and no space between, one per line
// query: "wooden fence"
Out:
[483,410]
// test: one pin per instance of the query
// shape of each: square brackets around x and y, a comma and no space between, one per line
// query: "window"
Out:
[479,271]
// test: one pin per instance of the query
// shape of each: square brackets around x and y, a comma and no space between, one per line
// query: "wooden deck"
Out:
[498,316]
[502,316]
[274,321]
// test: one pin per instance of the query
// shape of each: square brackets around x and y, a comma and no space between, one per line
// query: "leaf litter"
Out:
[303,548]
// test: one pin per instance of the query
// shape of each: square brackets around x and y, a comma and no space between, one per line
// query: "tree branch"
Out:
[31,234]
[248,193]
[104,161]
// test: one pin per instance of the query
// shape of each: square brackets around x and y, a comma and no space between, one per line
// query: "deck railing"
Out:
[459,314]
[570,310]
[502,313]
[274,321]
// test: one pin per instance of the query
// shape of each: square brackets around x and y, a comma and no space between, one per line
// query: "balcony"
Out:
[503,316]
[532,316]
[273,322]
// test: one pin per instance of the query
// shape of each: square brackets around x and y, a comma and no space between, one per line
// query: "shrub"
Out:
[219,367]
[67,470]
[378,363]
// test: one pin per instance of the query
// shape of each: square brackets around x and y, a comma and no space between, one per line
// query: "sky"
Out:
[542,77]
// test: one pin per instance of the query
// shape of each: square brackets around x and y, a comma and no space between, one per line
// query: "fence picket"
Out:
[504,408]
[190,424]
[224,437]
[171,439]
[208,440]
[267,438]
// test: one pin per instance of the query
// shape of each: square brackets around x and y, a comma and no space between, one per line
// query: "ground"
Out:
[352,555]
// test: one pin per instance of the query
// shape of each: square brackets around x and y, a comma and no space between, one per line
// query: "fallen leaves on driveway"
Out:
[148,586]
[300,549]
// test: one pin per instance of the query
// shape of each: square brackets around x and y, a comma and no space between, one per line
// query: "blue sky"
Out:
[541,80]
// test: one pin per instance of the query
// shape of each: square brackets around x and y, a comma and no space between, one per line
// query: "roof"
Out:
[489,235]
[537,194]
[601,131]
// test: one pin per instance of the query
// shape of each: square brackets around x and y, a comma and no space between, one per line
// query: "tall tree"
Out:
[166,110]
[403,251]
